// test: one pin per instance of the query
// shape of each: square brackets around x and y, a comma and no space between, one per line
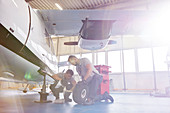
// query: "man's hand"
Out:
[69,91]
[84,82]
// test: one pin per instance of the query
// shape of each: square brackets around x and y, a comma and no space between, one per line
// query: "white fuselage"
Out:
[27,26]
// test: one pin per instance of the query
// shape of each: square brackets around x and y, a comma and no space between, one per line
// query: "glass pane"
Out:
[114,61]
[94,58]
[63,68]
[129,60]
[145,59]
[88,56]
[101,58]
[77,55]
[160,58]
[64,58]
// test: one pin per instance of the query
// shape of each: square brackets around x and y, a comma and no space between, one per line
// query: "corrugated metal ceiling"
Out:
[73,4]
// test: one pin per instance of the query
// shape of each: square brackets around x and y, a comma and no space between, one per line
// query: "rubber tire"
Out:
[78,91]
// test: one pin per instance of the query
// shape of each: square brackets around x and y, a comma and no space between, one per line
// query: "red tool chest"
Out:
[104,71]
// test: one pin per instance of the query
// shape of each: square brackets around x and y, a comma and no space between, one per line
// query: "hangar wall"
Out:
[143,81]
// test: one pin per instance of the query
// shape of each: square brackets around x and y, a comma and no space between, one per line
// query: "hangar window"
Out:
[88,56]
[63,68]
[145,59]
[94,58]
[160,54]
[101,58]
[77,55]
[63,59]
[129,60]
[114,60]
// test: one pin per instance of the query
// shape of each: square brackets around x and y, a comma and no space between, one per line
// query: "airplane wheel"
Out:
[80,93]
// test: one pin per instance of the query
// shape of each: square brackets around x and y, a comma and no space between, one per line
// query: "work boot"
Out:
[68,100]
[89,102]
[56,98]
[106,96]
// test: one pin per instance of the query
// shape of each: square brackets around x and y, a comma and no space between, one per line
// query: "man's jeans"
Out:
[93,85]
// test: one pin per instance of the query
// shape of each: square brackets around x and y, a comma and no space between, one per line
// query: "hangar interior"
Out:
[139,64]
[134,59]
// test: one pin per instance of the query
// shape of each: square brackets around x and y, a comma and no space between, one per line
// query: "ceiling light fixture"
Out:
[59,7]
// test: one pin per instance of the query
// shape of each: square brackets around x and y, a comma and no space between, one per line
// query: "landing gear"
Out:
[43,93]
[25,90]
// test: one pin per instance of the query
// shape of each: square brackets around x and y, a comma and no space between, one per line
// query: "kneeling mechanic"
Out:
[67,81]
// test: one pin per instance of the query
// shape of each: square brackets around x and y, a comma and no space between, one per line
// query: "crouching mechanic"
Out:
[67,81]
[91,77]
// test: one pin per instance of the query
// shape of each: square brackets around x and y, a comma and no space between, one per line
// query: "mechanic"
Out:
[91,77]
[67,81]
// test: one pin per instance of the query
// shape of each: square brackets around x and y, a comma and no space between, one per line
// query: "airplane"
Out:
[25,36]
[25,45]
[95,27]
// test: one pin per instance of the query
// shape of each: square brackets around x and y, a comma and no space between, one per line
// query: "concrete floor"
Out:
[17,102]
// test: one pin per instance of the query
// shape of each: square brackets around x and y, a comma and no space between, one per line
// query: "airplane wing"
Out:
[69,22]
